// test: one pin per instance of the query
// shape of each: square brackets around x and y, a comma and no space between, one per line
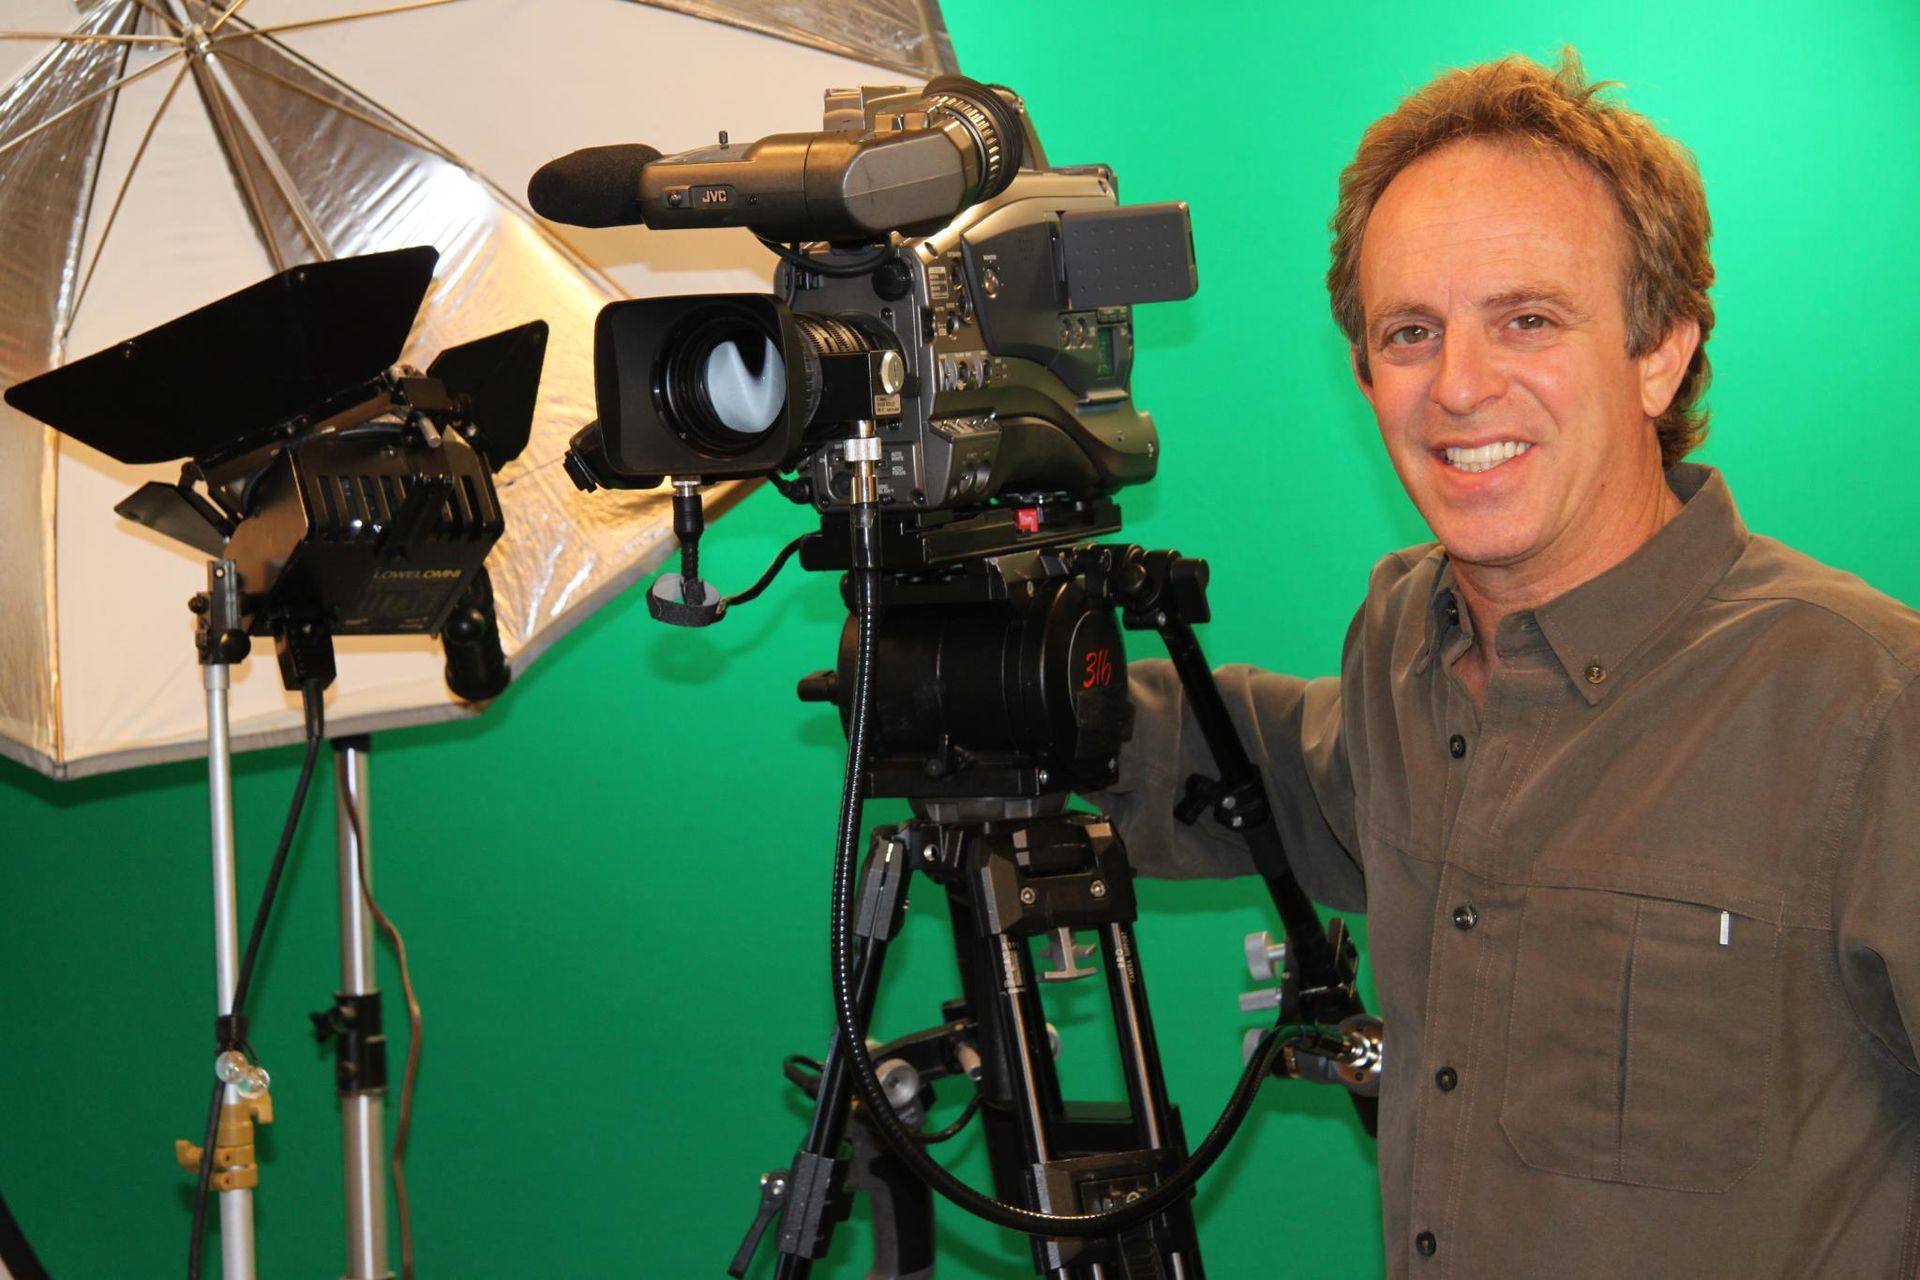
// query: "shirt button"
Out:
[1427,1244]
[1453,611]
[1447,1078]
[1456,746]
[1596,674]
[1465,917]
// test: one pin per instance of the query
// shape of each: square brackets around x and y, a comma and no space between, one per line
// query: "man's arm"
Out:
[1876,899]
[1291,729]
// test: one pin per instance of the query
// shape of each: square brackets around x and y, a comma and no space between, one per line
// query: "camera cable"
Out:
[865,575]
[800,260]
[232,1034]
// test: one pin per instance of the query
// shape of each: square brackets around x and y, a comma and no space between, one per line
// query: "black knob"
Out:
[892,280]
[821,686]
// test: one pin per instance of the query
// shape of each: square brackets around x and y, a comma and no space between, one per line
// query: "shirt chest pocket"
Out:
[1641,1035]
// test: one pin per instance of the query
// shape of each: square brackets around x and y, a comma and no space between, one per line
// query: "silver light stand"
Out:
[360,1069]
[221,643]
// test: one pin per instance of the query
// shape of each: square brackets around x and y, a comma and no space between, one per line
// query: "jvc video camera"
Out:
[972,303]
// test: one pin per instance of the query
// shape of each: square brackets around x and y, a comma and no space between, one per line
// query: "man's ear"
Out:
[1662,368]
[1362,376]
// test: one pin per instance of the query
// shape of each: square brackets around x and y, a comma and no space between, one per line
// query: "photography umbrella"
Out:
[165,152]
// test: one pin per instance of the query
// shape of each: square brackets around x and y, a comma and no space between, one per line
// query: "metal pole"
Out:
[362,1111]
[236,1207]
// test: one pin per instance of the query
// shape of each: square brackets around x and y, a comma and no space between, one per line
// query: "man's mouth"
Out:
[1485,457]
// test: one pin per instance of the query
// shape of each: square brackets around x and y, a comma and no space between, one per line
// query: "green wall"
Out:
[614,887]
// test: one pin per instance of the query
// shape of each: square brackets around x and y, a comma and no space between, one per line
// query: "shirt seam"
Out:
[1908,662]
[1698,588]
[1841,817]
[1910,1241]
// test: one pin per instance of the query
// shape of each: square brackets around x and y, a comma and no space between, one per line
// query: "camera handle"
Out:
[1166,592]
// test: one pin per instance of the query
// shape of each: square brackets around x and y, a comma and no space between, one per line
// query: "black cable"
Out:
[766,579]
[794,489]
[793,257]
[232,1033]
[804,1074]
[865,577]
[966,1114]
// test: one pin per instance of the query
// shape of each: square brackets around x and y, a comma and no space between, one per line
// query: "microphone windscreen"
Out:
[593,187]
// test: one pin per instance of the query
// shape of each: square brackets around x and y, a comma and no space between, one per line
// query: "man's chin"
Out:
[1484,548]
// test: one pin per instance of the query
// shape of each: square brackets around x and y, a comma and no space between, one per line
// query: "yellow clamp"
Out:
[233,1164]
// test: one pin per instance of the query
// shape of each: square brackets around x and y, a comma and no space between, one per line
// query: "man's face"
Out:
[1491,280]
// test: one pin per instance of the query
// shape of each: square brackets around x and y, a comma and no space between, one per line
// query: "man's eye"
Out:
[1408,335]
[1531,322]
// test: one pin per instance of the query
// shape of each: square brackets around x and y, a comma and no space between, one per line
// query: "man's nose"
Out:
[1469,375]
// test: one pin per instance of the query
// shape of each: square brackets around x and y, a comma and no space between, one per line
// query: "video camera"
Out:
[945,378]
[988,339]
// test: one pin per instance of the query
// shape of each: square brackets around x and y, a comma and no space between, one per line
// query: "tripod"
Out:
[1000,687]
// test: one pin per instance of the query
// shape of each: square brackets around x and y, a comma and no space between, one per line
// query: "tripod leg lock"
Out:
[883,899]
[816,1199]
[773,1197]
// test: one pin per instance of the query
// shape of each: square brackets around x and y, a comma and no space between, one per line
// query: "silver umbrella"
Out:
[162,153]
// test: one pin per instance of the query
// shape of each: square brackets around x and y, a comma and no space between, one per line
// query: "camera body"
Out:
[992,352]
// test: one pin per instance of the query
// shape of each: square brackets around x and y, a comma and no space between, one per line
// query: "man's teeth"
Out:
[1487,456]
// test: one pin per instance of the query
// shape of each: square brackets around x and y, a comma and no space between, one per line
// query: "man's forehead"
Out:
[1497,219]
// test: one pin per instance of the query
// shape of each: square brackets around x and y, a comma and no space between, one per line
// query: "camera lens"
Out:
[724,384]
[745,387]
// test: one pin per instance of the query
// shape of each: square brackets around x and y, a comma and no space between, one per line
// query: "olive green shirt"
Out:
[1645,928]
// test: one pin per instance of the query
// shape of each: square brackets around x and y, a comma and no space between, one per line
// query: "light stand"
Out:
[361,1066]
[221,642]
[339,492]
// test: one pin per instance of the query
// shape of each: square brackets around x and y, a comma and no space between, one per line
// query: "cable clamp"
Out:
[234,1166]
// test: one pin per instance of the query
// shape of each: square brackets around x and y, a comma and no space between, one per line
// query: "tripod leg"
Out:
[817,1181]
[902,1210]
[1147,1090]
[1036,1096]
[1139,1052]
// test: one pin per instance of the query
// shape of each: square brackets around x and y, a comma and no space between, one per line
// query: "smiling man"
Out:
[1630,795]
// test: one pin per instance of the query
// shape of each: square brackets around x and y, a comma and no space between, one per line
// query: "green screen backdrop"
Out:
[614,885]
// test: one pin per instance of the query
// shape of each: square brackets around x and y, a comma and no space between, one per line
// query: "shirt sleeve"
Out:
[1876,901]
[1292,730]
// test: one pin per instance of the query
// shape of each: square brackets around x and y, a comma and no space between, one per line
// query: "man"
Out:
[1630,796]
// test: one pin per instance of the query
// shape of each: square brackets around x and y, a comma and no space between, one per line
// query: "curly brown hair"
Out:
[1653,179]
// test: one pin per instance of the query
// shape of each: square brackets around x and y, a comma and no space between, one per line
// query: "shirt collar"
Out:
[1598,629]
